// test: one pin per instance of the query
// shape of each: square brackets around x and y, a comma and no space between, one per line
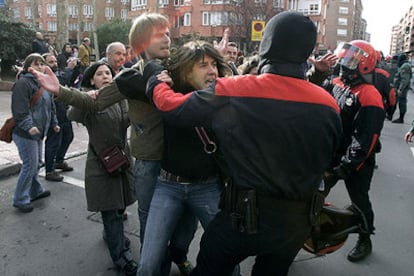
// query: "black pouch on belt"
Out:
[244,217]
[318,200]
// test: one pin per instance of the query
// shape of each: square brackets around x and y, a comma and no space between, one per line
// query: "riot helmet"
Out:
[357,60]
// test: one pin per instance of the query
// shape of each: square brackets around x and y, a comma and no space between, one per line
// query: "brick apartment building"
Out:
[336,20]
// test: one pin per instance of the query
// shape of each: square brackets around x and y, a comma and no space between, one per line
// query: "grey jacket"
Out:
[41,115]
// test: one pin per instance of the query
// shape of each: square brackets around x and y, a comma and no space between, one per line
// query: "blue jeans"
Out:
[28,185]
[113,223]
[57,144]
[146,173]
[169,202]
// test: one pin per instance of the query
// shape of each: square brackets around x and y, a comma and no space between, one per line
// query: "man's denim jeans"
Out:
[169,202]
[28,185]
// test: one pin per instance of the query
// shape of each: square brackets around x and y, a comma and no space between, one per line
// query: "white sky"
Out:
[381,15]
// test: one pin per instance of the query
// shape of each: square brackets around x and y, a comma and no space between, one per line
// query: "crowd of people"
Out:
[207,145]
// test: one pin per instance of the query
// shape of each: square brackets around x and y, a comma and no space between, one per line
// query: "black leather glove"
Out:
[131,83]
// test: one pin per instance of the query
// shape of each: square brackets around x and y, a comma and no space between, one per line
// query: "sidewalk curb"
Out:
[13,168]
[9,169]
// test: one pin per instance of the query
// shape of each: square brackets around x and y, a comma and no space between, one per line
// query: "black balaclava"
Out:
[288,40]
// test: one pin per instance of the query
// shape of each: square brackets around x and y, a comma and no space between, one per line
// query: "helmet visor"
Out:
[350,56]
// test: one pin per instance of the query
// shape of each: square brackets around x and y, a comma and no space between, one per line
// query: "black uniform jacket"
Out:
[278,134]
[362,114]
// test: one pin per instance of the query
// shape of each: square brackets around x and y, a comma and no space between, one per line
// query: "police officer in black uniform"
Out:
[362,114]
[277,133]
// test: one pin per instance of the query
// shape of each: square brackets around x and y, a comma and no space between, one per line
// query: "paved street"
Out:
[60,237]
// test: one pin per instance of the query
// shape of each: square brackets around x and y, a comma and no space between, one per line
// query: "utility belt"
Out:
[167,176]
[244,206]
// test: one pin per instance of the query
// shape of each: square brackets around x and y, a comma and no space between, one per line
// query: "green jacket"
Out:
[402,78]
[146,122]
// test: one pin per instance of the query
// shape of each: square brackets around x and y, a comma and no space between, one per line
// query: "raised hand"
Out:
[324,63]
[222,45]
[48,80]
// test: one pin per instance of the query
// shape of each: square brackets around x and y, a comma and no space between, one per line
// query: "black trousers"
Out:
[358,186]
[281,234]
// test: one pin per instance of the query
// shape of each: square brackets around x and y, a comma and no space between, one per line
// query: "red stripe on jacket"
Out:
[168,101]
[277,87]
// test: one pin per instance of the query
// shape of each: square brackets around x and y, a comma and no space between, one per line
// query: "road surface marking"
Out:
[74,181]
[66,179]
[412,150]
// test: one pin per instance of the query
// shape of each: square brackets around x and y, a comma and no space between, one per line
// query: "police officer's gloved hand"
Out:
[131,84]
[151,70]
[340,172]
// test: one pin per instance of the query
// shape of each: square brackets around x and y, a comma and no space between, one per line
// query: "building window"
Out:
[344,1]
[314,8]
[343,10]
[73,27]
[343,21]
[277,4]
[109,12]
[108,1]
[124,1]
[40,10]
[124,14]
[218,18]
[87,10]
[87,27]
[16,13]
[163,3]
[51,26]
[28,12]
[341,32]
[73,11]
[138,4]
[51,9]
[187,19]
[178,3]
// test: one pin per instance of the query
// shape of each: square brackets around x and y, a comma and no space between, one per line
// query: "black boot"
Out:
[362,249]
[398,121]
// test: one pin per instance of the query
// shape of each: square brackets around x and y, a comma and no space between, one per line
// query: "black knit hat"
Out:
[90,72]
[289,37]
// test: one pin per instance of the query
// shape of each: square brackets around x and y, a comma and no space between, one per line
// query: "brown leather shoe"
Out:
[63,166]
[53,176]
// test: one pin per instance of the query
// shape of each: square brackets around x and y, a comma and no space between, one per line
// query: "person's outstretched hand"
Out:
[48,81]
[325,62]
[408,137]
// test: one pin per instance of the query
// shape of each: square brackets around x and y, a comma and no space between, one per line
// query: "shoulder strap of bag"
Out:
[36,96]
